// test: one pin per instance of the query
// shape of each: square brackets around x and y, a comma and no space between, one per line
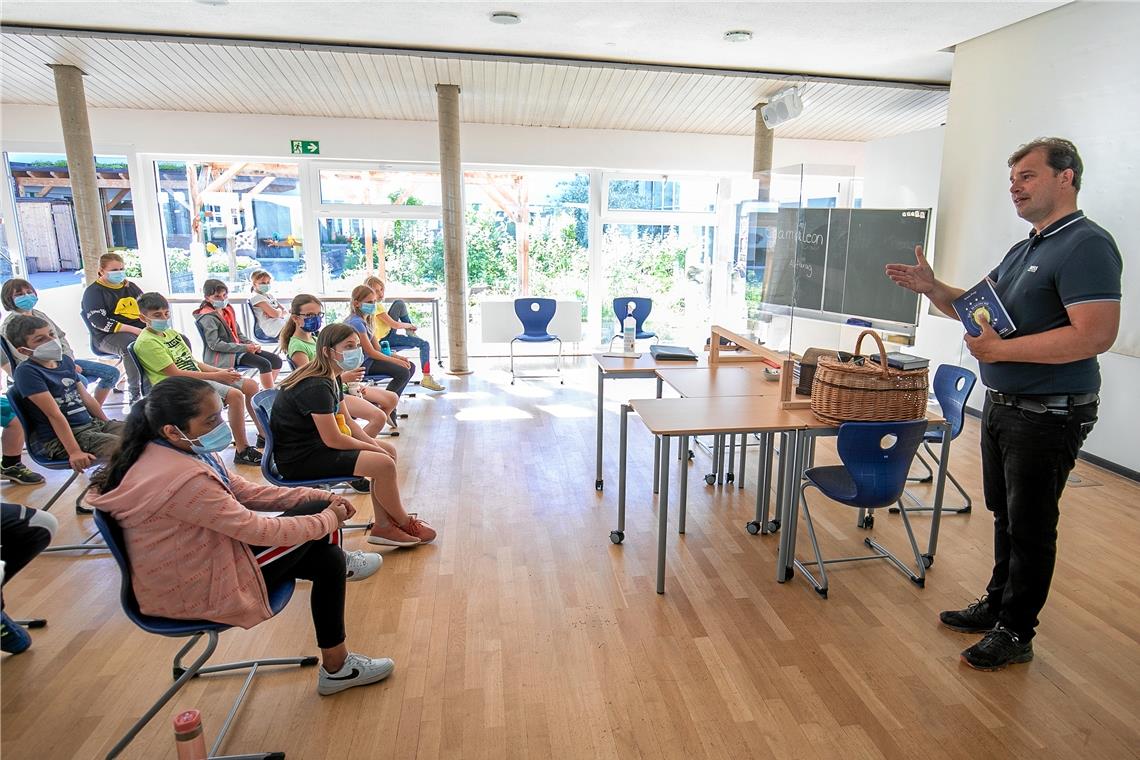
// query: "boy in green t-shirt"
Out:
[163,353]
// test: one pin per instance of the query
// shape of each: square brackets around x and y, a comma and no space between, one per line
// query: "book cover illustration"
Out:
[981,303]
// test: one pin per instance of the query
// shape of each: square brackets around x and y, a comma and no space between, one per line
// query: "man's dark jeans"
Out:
[1026,459]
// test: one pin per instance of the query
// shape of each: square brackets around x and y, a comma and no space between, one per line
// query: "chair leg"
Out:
[561,380]
[85,546]
[921,507]
[59,493]
[920,577]
[929,472]
[513,361]
[31,623]
[820,586]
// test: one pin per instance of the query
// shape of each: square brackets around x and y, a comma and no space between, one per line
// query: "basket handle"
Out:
[879,343]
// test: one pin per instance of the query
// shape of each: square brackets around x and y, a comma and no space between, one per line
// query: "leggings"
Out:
[263,361]
[94,370]
[27,532]
[320,561]
[397,371]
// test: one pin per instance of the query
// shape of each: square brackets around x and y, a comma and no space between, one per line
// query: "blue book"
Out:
[980,303]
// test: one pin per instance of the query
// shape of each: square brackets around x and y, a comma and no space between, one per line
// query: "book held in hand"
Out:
[981,303]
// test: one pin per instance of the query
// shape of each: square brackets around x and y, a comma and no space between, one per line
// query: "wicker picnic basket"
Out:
[863,391]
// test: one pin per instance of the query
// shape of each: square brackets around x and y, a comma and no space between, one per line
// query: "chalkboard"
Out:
[831,260]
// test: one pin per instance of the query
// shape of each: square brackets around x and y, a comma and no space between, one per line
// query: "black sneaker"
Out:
[998,648]
[976,618]
[249,455]
[260,442]
[21,474]
[360,485]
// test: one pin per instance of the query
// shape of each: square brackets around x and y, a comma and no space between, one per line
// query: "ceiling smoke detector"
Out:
[737,35]
[506,18]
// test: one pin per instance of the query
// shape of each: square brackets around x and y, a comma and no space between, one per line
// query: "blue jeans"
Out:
[93,370]
[399,312]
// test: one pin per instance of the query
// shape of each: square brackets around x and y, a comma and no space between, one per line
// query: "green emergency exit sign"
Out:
[305,147]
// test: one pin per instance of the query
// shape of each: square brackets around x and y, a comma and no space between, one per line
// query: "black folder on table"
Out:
[672,353]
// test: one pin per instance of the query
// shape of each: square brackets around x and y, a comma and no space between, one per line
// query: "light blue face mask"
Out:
[162,325]
[219,305]
[263,288]
[368,309]
[216,440]
[351,359]
[26,302]
[117,277]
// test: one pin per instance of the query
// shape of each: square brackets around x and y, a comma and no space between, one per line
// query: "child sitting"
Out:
[226,345]
[65,421]
[267,310]
[364,402]
[385,326]
[199,547]
[316,437]
[361,309]
[163,353]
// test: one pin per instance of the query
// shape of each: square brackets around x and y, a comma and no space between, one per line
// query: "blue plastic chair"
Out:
[535,315]
[18,402]
[263,407]
[952,387]
[641,309]
[876,457]
[279,596]
[258,333]
[144,378]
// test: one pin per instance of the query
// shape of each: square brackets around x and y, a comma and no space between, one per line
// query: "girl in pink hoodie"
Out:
[199,543]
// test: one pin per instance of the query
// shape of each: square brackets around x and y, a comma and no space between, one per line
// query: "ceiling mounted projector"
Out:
[783,107]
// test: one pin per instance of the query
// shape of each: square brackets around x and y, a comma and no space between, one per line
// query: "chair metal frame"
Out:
[908,436]
[195,630]
[262,403]
[639,332]
[531,334]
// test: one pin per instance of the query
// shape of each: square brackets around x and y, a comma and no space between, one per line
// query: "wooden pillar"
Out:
[762,156]
[81,167]
[454,243]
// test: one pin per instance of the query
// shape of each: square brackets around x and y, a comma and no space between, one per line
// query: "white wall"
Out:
[1070,72]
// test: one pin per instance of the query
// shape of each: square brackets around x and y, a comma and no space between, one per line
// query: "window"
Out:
[243,215]
[408,252]
[664,194]
[379,187]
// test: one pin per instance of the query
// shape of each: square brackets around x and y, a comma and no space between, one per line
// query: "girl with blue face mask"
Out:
[173,497]
[315,436]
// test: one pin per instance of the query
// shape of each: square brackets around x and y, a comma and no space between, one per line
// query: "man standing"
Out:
[111,313]
[1061,287]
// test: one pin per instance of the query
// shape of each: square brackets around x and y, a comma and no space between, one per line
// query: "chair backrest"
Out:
[262,407]
[144,378]
[952,386]
[877,456]
[18,403]
[9,354]
[535,315]
[258,333]
[641,309]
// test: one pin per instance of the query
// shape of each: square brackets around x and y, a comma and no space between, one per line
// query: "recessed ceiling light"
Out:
[506,18]
[737,35]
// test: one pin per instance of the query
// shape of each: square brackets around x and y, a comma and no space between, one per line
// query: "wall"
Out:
[1070,72]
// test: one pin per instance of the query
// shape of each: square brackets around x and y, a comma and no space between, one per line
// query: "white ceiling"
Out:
[877,40]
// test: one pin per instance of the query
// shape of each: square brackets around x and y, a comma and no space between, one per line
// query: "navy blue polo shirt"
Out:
[1072,261]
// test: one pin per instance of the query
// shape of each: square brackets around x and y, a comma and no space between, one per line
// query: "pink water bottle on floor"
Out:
[188,737]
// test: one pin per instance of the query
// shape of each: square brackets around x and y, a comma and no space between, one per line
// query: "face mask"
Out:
[117,277]
[52,351]
[219,304]
[368,309]
[216,440]
[311,323]
[263,288]
[351,359]
[26,302]
[162,325]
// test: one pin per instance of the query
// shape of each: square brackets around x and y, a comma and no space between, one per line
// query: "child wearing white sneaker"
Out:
[315,436]
[185,517]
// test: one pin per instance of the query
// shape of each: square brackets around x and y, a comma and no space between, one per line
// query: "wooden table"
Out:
[645,366]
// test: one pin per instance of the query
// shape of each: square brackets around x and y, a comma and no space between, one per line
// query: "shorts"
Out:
[98,437]
[6,413]
[222,389]
[321,463]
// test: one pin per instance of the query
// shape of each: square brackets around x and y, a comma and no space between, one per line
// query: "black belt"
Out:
[1059,404]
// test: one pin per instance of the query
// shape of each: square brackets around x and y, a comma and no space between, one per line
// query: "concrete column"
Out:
[81,167]
[454,241]
[762,155]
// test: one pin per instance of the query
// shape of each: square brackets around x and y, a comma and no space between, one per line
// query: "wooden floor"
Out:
[524,633]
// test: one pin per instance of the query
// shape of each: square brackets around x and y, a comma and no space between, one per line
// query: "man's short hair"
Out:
[21,326]
[107,258]
[153,302]
[1060,154]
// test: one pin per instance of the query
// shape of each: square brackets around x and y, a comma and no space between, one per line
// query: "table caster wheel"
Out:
[617,536]
[728,478]
[867,523]
[753,527]
[773,526]
[710,478]
[789,573]
[927,561]
[893,510]
[692,455]
[598,485]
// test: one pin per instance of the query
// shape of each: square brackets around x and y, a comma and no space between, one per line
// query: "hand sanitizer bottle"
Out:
[628,330]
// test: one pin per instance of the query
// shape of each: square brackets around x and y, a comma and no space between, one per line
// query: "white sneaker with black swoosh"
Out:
[357,670]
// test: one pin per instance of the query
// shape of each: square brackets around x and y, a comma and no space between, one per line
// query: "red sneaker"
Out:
[419,528]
